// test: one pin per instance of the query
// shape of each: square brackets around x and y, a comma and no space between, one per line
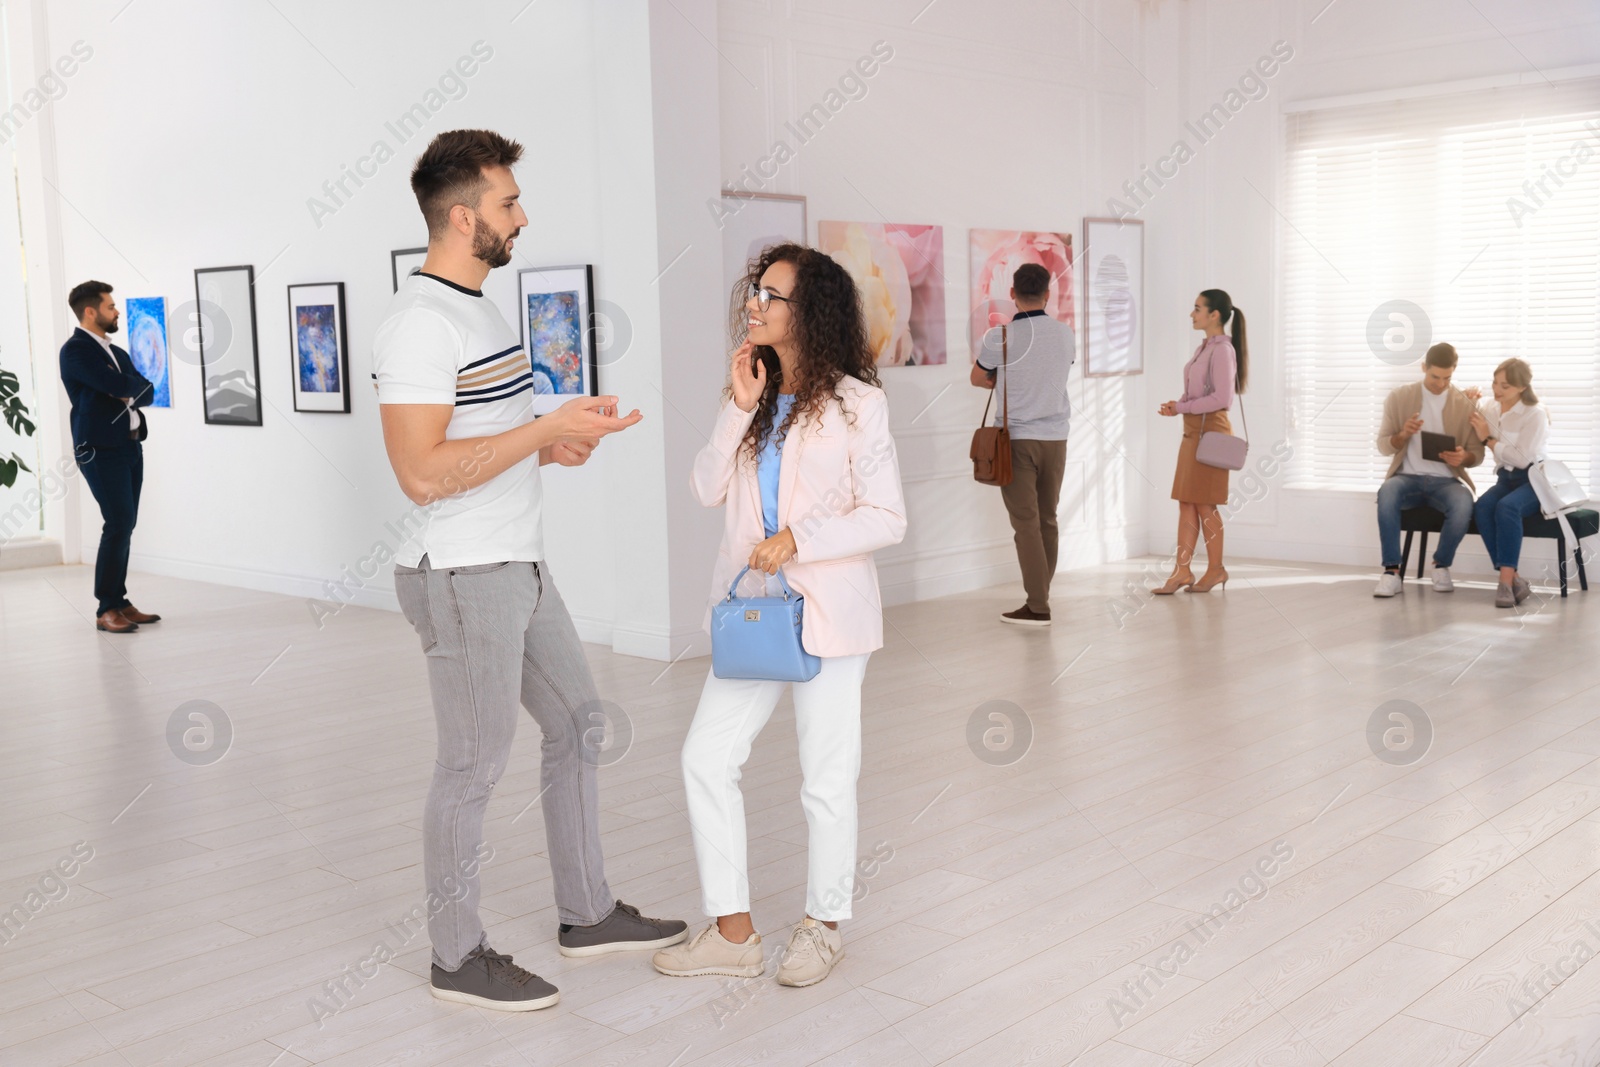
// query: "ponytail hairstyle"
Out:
[1219,301]
[1519,374]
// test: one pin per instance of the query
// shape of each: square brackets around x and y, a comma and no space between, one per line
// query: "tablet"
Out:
[1434,443]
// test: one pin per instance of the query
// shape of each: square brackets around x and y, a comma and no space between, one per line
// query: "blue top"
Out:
[767,465]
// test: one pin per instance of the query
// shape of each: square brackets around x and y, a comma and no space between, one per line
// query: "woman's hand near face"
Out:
[749,377]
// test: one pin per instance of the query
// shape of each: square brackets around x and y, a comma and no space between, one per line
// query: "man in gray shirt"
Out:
[1030,367]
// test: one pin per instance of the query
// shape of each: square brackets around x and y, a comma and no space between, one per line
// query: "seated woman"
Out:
[1516,427]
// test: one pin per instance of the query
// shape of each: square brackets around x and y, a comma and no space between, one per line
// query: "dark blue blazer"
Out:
[99,417]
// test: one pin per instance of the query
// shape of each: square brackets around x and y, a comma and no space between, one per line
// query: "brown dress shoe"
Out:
[133,614]
[113,622]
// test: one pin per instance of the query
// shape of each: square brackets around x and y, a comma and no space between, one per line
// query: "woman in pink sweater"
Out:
[1210,379]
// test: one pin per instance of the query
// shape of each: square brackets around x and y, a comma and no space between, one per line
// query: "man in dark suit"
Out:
[106,393]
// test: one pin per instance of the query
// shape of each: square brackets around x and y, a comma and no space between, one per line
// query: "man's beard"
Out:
[490,246]
[109,325]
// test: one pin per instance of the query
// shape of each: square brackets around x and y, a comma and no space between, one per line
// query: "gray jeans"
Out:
[497,635]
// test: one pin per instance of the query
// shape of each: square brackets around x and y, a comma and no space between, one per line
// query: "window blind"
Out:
[1483,210]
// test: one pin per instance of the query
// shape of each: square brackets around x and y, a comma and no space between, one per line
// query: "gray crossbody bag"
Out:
[1223,450]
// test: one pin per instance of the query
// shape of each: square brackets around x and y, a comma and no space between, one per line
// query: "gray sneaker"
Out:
[488,979]
[1520,588]
[624,929]
[1504,597]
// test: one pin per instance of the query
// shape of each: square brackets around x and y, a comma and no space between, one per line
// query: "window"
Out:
[1481,209]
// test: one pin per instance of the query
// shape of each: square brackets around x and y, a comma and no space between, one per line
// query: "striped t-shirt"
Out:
[440,343]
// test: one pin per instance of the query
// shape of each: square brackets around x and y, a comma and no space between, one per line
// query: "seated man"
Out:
[1429,406]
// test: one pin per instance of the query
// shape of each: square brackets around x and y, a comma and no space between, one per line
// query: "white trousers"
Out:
[827,712]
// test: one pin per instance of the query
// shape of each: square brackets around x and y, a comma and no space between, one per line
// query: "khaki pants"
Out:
[1031,499]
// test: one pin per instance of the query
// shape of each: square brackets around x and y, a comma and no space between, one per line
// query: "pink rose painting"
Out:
[996,255]
[899,270]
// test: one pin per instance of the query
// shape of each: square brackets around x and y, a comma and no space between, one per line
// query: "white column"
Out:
[656,82]
[32,217]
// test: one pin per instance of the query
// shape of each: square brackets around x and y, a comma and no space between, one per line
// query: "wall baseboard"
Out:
[31,552]
[897,582]
[370,594]
[1537,554]
[652,644]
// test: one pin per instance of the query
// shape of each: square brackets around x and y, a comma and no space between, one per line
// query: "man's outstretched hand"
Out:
[591,418]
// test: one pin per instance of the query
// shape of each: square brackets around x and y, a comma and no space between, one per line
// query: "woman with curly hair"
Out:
[802,458]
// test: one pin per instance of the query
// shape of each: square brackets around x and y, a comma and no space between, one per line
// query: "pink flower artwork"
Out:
[899,271]
[996,255]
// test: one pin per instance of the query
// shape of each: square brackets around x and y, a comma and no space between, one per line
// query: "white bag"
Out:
[1559,492]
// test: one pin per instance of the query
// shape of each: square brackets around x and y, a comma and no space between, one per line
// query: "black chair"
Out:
[1585,523]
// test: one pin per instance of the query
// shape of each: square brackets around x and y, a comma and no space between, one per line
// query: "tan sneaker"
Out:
[812,952]
[708,952]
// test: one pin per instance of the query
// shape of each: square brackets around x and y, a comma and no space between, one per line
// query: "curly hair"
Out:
[829,332]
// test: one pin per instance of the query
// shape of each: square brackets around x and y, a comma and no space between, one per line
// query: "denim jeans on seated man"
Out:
[1401,491]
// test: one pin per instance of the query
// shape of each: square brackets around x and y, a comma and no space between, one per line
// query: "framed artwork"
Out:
[996,255]
[899,270]
[404,262]
[147,345]
[1113,297]
[752,223]
[555,306]
[319,354]
[230,365]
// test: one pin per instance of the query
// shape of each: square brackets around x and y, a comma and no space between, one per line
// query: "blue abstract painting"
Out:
[317,348]
[555,343]
[147,345]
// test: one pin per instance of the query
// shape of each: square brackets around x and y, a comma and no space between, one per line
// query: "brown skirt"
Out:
[1194,482]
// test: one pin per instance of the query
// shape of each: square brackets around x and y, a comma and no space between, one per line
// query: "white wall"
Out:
[196,136]
[986,116]
[1209,228]
[197,133]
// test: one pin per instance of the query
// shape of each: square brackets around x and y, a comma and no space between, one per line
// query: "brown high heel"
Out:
[1174,584]
[1203,586]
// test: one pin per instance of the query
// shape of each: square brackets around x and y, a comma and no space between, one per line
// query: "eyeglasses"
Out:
[765,297]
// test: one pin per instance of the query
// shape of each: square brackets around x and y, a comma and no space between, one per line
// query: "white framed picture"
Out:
[404,262]
[753,222]
[555,309]
[1113,297]
[318,350]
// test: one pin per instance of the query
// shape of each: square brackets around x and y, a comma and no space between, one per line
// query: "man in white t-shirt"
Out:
[1431,406]
[455,390]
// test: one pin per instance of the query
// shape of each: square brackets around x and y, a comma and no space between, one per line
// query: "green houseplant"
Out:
[16,413]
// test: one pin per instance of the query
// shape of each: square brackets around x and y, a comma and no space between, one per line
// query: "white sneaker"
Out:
[1441,580]
[711,953]
[1389,585]
[812,952]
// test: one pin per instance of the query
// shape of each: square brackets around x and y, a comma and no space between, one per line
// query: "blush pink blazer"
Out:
[838,493]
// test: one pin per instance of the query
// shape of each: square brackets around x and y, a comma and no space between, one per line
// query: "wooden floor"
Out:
[1197,860]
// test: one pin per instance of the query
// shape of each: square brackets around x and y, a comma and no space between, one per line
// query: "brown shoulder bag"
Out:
[991,445]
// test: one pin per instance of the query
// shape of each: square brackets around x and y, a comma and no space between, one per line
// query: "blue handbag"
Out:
[758,637]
